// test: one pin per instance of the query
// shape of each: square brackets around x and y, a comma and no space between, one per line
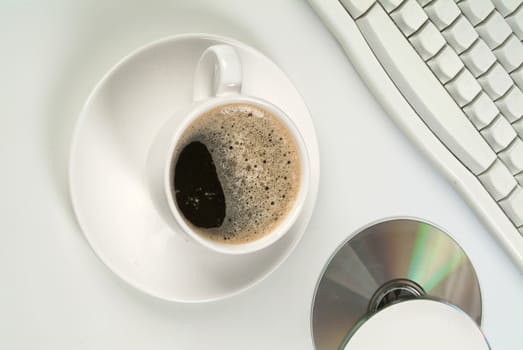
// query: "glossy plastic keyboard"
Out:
[459,65]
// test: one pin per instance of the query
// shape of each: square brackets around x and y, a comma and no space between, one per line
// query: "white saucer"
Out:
[107,172]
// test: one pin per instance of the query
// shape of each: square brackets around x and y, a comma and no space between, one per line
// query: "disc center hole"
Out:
[394,291]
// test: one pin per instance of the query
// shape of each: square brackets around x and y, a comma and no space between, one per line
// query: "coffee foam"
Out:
[257,163]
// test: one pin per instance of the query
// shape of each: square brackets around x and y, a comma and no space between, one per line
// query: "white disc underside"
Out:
[417,324]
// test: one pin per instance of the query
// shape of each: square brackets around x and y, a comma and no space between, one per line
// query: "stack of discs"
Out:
[384,264]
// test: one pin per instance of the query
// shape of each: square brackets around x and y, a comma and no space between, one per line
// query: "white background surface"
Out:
[55,293]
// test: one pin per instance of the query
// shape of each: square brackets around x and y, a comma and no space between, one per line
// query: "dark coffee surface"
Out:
[198,191]
[257,167]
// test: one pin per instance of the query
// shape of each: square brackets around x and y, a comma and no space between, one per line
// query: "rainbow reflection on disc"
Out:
[365,273]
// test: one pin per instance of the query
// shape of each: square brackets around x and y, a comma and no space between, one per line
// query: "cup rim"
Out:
[199,108]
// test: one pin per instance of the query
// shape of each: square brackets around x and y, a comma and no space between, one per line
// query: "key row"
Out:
[445,12]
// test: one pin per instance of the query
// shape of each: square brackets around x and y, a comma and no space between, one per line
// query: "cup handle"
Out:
[218,73]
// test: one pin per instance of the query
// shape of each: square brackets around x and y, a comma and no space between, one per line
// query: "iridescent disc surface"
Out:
[401,249]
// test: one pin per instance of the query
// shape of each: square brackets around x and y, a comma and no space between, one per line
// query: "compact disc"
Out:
[386,263]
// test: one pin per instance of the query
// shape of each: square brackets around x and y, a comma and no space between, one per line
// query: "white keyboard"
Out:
[450,72]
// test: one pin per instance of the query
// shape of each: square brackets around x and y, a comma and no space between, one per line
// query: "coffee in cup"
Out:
[236,173]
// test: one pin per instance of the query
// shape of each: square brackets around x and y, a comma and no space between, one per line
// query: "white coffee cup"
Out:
[218,81]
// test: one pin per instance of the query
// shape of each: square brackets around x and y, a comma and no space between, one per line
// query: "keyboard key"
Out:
[518,126]
[499,134]
[428,41]
[510,54]
[511,105]
[390,5]
[460,35]
[356,8]
[498,180]
[494,30]
[517,76]
[446,64]
[515,21]
[513,156]
[442,12]
[482,111]
[506,7]
[429,99]
[409,17]
[519,179]
[513,206]
[479,58]
[496,82]
[476,10]
[463,88]
[423,2]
